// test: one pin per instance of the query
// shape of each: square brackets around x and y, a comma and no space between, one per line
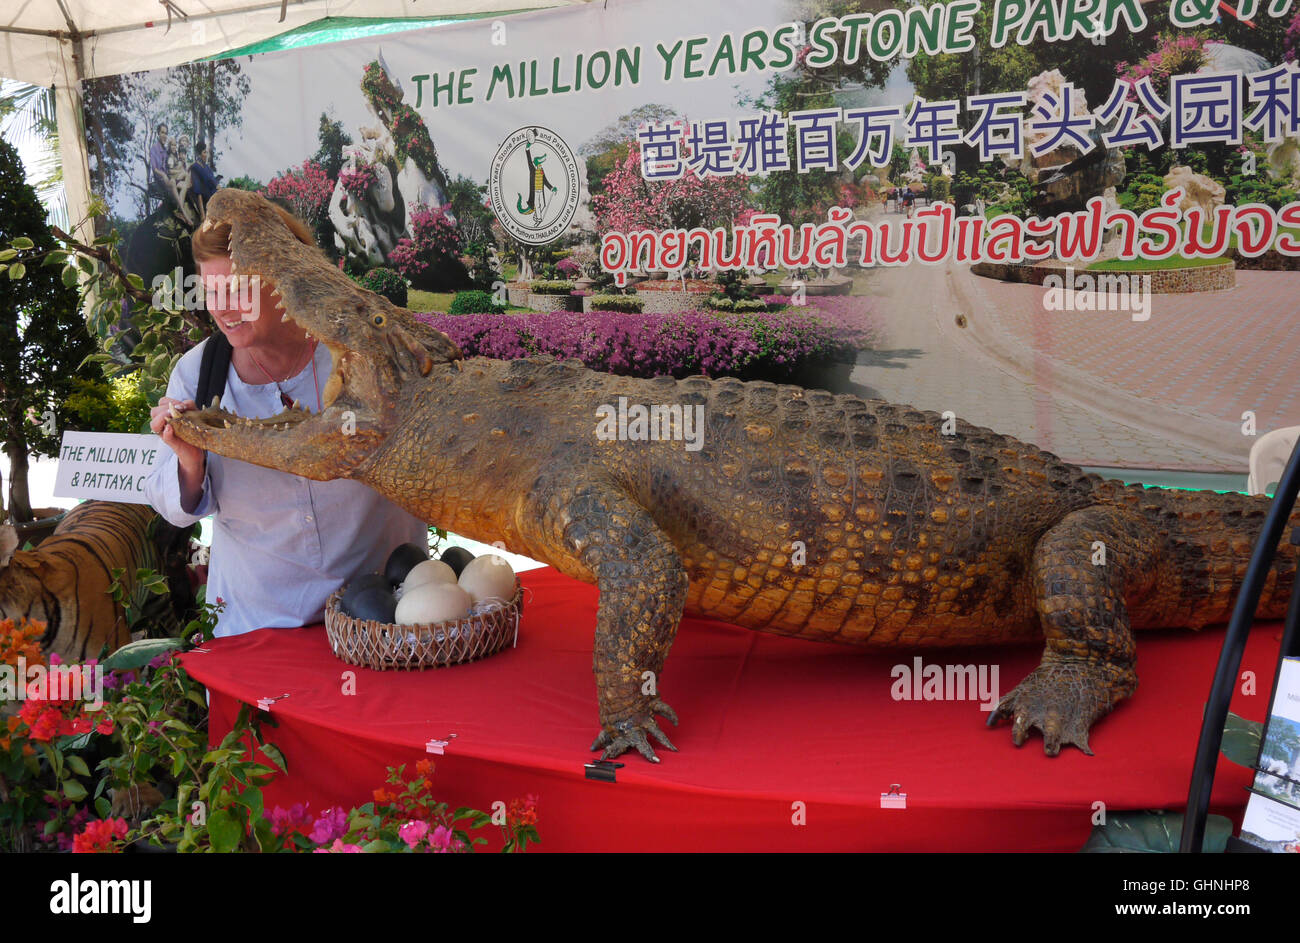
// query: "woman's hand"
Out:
[191,459]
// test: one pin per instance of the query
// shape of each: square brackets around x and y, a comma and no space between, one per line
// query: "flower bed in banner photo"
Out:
[770,345]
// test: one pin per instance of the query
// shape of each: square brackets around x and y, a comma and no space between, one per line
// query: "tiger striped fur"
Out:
[64,582]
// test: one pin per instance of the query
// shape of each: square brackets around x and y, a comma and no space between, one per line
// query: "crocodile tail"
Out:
[1209,539]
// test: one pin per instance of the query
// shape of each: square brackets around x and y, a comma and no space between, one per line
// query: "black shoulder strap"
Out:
[213,369]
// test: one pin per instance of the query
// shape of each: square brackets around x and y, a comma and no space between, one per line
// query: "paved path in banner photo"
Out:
[1200,361]
[1071,387]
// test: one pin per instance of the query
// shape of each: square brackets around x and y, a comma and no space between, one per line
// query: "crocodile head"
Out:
[378,350]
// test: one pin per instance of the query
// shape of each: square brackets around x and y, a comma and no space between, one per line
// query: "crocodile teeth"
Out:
[207,224]
[173,410]
[216,402]
[284,317]
[296,405]
[227,422]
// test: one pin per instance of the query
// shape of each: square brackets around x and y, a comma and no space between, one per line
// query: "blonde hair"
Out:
[209,244]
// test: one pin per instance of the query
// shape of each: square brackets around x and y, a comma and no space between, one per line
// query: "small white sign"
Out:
[109,466]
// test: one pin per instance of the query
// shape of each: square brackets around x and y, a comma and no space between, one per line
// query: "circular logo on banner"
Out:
[534,185]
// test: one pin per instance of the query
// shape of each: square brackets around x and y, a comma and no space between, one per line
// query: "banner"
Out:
[1072,221]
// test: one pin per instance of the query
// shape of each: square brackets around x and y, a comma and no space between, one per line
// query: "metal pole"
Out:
[1234,644]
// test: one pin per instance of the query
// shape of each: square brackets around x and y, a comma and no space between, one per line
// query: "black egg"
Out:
[457,558]
[377,603]
[360,585]
[402,560]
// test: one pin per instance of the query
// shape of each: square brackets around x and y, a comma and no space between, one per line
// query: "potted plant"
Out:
[551,295]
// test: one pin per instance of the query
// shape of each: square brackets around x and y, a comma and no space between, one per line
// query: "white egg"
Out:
[431,603]
[430,571]
[488,577]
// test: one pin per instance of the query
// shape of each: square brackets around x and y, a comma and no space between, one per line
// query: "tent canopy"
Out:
[59,42]
[45,41]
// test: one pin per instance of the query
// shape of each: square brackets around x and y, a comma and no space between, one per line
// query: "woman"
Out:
[280,544]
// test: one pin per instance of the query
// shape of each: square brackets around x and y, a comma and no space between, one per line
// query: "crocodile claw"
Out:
[630,733]
[1063,699]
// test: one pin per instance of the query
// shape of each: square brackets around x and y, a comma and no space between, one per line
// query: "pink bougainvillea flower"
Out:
[413,832]
[339,848]
[296,818]
[332,824]
[441,839]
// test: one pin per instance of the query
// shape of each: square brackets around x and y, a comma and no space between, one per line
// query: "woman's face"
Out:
[243,307]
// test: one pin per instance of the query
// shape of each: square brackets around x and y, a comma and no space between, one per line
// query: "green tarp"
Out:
[334,29]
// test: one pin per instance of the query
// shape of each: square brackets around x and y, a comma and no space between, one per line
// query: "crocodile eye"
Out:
[377,320]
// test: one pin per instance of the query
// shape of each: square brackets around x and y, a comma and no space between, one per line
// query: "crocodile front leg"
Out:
[642,587]
[1088,664]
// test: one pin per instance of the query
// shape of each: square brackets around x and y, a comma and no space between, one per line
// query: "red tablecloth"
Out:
[767,723]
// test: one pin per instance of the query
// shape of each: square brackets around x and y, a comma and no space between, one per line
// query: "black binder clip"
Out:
[602,770]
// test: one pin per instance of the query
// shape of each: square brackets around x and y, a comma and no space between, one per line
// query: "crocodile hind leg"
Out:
[1088,664]
[642,585]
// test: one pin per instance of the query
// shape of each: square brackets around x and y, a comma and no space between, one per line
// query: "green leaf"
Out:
[103,807]
[375,847]
[70,276]
[1241,740]
[1152,833]
[251,799]
[274,755]
[138,654]
[22,242]
[79,742]
[74,790]
[17,271]
[7,254]
[224,831]
[77,765]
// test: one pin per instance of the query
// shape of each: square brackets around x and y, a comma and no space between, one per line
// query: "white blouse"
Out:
[281,544]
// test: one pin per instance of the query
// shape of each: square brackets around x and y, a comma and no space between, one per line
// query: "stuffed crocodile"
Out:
[798,512]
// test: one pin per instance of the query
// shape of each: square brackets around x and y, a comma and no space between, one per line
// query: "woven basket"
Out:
[383,646]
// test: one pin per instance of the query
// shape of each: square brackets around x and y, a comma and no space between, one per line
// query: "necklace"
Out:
[284,397]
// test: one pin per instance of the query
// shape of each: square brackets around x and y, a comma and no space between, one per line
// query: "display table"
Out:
[767,722]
